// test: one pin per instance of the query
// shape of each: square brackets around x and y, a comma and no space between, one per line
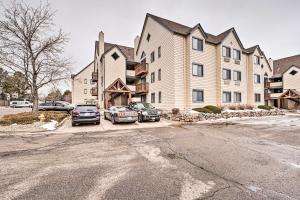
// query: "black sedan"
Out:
[85,114]
[117,114]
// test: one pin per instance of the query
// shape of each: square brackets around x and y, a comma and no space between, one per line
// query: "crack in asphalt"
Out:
[213,193]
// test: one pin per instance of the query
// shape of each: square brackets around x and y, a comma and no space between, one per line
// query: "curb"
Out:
[62,122]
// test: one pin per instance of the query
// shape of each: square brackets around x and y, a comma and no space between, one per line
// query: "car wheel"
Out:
[140,118]
[97,123]
[73,124]
[157,120]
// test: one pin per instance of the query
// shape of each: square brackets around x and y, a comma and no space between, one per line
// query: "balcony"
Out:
[274,95]
[94,91]
[131,87]
[142,88]
[130,73]
[94,76]
[273,84]
[141,68]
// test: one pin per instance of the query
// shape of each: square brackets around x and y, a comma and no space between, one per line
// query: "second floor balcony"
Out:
[94,91]
[142,88]
[141,69]
[94,76]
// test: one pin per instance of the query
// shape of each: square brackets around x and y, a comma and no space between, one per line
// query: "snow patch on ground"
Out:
[193,188]
[50,126]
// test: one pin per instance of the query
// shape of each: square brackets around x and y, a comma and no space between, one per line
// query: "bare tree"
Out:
[29,44]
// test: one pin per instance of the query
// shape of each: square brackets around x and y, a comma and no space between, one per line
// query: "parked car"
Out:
[146,112]
[56,106]
[117,114]
[20,104]
[85,113]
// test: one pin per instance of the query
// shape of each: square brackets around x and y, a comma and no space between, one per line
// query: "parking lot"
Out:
[231,159]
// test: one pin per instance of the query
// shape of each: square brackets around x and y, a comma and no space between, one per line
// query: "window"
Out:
[226,74]
[256,78]
[159,97]
[197,44]
[237,76]
[148,37]
[91,82]
[226,52]
[152,77]
[197,70]
[257,97]
[293,72]
[152,97]
[115,56]
[198,96]
[152,57]
[159,52]
[257,60]
[85,91]
[159,74]
[143,55]
[85,81]
[236,54]
[237,97]
[227,97]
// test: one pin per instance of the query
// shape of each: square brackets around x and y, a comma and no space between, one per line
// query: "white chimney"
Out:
[101,43]
[136,42]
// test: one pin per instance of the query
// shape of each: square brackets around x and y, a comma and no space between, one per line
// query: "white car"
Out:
[20,104]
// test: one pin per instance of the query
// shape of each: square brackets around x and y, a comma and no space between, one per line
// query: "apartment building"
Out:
[82,86]
[284,86]
[188,67]
[176,66]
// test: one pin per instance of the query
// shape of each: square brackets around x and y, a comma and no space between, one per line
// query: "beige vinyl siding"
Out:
[258,88]
[234,86]
[179,71]
[78,86]
[291,81]
[159,37]
[114,69]
[207,83]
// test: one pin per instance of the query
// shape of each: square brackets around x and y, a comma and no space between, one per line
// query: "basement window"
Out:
[115,56]
[293,72]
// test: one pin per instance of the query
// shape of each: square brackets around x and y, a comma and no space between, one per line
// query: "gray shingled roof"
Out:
[281,65]
[127,51]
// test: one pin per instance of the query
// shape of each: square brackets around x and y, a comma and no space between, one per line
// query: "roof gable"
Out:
[73,76]
[281,65]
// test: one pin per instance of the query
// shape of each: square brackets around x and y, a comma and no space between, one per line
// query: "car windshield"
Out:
[84,108]
[122,109]
[144,106]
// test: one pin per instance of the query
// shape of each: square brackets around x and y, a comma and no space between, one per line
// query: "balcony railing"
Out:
[273,84]
[141,68]
[142,88]
[94,76]
[94,91]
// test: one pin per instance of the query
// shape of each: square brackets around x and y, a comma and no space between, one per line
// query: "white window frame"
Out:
[224,51]
[235,97]
[235,75]
[226,78]
[224,98]
[235,54]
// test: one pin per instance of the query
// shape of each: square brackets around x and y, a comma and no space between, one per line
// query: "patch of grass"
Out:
[29,117]
[265,107]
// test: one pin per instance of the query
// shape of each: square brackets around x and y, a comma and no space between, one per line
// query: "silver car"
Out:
[118,114]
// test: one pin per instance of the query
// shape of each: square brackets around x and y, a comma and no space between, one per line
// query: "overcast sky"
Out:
[273,24]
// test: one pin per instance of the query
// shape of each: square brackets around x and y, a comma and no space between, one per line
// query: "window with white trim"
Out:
[257,78]
[236,54]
